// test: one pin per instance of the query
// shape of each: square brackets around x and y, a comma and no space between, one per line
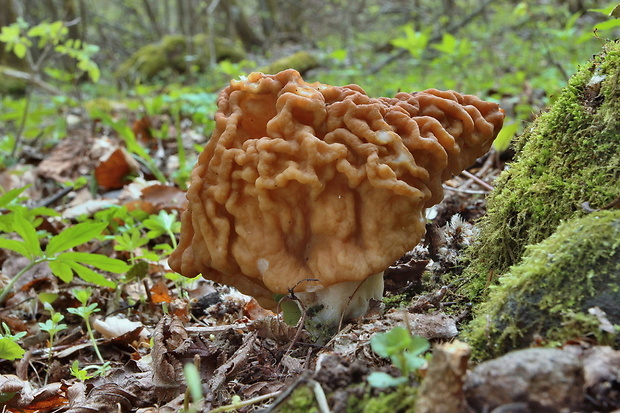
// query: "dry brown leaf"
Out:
[108,397]
[165,197]
[115,168]
[73,157]
[160,292]
[169,335]
[27,399]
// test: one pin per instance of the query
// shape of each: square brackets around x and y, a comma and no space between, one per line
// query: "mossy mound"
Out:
[571,155]
[547,296]
[169,56]
[300,61]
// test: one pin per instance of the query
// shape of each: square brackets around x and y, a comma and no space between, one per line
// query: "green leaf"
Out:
[11,195]
[91,276]
[61,270]
[447,45]
[102,262]
[162,223]
[27,232]
[609,24]
[418,345]
[383,380]
[505,136]
[392,342]
[47,298]
[74,236]
[82,294]
[414,362]
[20,50]
[607,10]
[14,245]
[10,350]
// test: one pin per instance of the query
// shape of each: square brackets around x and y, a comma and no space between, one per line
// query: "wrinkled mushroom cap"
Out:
[305,181]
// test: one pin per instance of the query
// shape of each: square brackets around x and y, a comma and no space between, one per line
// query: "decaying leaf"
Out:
[114,169]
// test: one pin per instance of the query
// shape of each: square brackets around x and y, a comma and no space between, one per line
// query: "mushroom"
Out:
[315,190]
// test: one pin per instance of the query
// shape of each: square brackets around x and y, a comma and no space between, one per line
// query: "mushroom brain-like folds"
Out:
[312,188]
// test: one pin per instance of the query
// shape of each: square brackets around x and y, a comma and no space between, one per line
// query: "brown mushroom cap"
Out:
[304,181]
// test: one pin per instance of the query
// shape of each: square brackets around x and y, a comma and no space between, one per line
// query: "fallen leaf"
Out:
[114,169]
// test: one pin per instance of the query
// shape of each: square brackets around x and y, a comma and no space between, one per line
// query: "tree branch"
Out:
[33,79]
[453,29]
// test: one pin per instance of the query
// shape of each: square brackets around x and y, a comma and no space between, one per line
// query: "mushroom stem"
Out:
[345,300]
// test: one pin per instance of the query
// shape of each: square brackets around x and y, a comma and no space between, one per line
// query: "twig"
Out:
[247,402]
[53,198]
[465,191]
[477,180]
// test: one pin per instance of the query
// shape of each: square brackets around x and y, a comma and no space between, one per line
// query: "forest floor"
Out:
[152,325]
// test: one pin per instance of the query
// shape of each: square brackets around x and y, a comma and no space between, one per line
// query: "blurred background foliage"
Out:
[60,58]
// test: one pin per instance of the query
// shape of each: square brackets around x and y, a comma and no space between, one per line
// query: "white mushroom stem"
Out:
[349,299]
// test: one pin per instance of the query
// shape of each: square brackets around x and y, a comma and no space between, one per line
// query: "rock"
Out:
[567,158]
[169,56]
[565,288]
[602,377]
[545,380]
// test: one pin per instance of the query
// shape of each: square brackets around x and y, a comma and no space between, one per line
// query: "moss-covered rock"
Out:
[169,56]
[569,156]
[547,296]
[300,61]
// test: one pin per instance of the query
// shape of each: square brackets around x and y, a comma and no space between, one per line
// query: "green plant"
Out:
[164,223]
[51,40]
[82,373]
[52,326]
[194,388]
[62,262]
[9,349]
[12,202]
[404,351]
[85,311]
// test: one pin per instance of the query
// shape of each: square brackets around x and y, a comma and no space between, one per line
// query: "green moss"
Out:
[548,295]
[300,401]
[169,56]
[569,156]
[401,400]
[300,61]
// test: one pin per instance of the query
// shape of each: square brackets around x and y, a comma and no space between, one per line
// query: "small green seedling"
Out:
[53,325]
[85,311]
[9,349]
[404,351]
[82,374]
[163,223]
[194,388]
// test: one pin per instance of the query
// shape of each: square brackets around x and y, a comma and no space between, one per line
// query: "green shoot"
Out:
[403,350]
[163,223]
[194,388]
[83,375]
[85,311]
[52,326]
